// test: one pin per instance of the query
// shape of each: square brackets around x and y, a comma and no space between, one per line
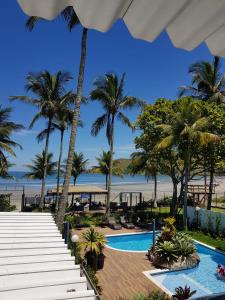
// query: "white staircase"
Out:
[35,264]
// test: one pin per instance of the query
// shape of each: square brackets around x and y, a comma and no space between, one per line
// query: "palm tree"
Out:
[147,164]
[79,166]
[72,21]
[208,83]
[103,167]
[49,94]
[187,128]
[4,169]
[7,128]
[38,168]
[108,90]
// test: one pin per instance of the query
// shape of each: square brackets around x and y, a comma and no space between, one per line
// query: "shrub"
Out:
[153,296]
[184,245]
[5,203]
[183,293]
[169,230]
[166,251]
[93,279]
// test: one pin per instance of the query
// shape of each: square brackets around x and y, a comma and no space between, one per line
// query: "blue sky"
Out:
[153,70]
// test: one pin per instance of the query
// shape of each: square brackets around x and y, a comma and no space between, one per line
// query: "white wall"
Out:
[205,218]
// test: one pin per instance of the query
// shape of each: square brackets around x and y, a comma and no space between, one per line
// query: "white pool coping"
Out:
[128,233]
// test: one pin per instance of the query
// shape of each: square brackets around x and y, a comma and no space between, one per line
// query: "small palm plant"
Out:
[166,251]
[183,293]
[93,243]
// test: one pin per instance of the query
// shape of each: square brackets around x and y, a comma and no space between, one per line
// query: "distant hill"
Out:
[123,163]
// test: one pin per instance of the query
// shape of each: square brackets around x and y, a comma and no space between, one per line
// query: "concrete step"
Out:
[72,272]
[29,234]
[36,259]
[34,267]
[59,244]
[79,295]
[32,214]
[30,239]
[28,230]
[27,224]
[26,269]
[33,252]
[43,288]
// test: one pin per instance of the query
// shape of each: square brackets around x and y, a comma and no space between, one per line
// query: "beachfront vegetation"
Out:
[72,21]
[79,166]
[7,145]
[49,98]
[109,91]
[37,169]
[104,165]
[173,127]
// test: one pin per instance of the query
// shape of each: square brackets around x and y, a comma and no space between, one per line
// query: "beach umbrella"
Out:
[187,22]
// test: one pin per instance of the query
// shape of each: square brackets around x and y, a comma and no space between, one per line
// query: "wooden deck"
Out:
[122,274]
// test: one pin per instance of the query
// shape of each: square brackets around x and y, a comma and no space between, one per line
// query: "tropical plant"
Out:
[103,166]
[183,293]
[72,21]
[155,295]
[188,128]
[79,165]
[184,245]
[208,83]
[109,91]
[4,169]
[166,251]
[168,230]
[93,240]
[7,128]
[37,168]
[49,94]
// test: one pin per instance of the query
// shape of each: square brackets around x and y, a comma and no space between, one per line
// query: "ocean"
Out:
[83,179]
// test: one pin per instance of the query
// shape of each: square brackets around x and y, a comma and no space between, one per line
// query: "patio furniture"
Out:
[112,224]
[126,224]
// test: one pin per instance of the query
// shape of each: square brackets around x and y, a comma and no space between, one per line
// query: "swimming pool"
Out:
[138,242]
[202,278]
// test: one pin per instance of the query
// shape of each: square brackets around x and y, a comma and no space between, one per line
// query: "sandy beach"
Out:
[164,189]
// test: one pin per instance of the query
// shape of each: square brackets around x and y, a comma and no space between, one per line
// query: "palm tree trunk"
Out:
[155,190]
[211,175]
[186,179]
[45,164]
[59,166]
[74,180]
[106,181]
[110,168]
[77,104]
[173,208]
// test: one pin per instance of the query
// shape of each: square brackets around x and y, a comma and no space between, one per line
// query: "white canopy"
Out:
[188,22]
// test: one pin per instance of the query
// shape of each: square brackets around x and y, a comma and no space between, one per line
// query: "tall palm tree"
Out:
[4,169]
[7,128]
[72,21]
[49,94]
[147,164]
[103,167]
[79,166]
[108,90]
[208,83]
[188,127]
[37,168]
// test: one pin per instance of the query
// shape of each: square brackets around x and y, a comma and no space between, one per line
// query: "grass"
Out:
[200,236]
[217,209]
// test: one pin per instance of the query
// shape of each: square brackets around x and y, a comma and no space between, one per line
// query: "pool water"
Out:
[131,242]
[202,278]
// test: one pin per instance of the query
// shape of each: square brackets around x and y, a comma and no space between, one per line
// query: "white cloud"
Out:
[25,132]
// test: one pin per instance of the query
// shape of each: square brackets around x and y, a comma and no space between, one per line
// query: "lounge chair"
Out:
[125,224]
[112,224]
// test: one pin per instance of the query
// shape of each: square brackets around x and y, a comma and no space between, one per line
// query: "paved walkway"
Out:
[35,264]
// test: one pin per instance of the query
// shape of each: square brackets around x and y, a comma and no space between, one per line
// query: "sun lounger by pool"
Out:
[112,224]
[126,224]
